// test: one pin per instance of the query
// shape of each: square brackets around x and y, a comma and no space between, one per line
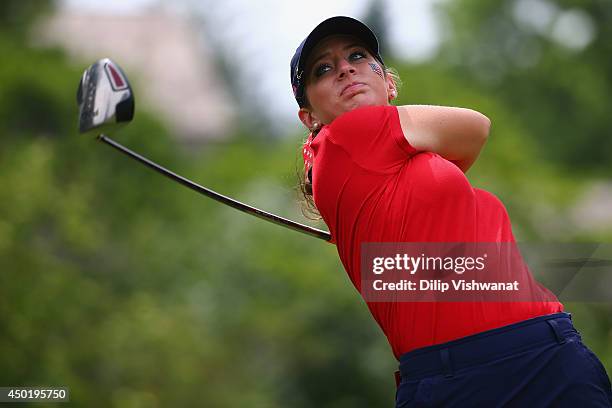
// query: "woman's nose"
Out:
[344,68]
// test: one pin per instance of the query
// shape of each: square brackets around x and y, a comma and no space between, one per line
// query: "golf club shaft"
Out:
[324,235]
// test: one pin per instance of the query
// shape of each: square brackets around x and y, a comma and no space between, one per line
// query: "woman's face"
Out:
[341,75]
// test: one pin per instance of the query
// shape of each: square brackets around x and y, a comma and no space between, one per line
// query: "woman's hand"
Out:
[457,134]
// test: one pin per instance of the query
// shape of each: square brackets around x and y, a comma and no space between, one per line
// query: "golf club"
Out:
[106,101]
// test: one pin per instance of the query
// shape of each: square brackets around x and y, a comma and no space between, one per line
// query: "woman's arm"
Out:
[457,134]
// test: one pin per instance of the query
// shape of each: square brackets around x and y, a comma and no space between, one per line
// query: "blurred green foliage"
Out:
[133,291]
[17,16]
[549,62]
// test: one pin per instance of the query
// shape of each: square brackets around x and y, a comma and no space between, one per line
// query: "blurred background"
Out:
[135,292]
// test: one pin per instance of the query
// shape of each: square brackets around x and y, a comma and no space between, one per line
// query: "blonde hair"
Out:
[309,209]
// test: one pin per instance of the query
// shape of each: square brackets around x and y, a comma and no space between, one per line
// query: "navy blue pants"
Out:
[539,362]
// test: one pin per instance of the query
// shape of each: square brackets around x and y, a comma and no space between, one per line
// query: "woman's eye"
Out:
[321,69]
[357,55]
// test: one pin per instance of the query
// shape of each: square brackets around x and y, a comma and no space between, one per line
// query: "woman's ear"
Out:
[391,88]
[309,119]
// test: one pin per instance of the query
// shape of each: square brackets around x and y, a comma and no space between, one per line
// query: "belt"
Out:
[468,351]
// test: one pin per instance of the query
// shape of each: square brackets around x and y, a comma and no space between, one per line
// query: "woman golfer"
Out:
[381,173]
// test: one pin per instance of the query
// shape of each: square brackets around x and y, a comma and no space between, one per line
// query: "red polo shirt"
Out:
[371,185]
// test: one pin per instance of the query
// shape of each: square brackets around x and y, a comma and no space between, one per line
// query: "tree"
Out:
[16,16]
[548,60]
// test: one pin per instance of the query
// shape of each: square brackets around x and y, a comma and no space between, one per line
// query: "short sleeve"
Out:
[373,138]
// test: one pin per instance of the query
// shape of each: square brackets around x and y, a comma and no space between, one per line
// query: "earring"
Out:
[393,94]
[315,126]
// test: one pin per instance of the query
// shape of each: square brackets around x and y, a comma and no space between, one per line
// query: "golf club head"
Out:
[105,97]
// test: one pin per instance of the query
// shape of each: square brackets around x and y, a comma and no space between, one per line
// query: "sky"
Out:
[260,37]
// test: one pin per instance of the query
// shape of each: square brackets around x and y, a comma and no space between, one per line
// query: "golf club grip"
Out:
[324,235]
